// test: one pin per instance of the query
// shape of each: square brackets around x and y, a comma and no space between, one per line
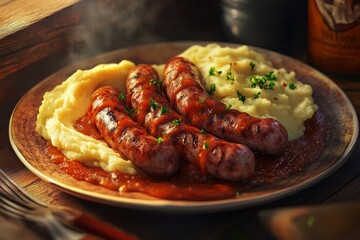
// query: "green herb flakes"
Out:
[206,145]
[203,100]
[212,88]
[159,140]
[256,95]
[135,76]
[130,111]
[271,76]
[176,122]
[252,65]
[292,86]
[263,82]
[213,71]
[230,76]
[240,96]
[257,81]
[155,83]
[121,97]
[164,110]
[270,85]
[153,104]
[227,107]
[203,131]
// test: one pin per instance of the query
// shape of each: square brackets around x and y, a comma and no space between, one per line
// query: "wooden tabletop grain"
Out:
[342,186]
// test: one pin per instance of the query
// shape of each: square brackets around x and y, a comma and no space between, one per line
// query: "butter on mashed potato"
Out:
[227,74]
[244,80]
[68,102]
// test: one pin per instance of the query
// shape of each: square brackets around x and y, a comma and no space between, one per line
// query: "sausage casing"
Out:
[158,159]
[214,156]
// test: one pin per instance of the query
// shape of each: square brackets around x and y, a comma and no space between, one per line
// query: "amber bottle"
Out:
[334,36]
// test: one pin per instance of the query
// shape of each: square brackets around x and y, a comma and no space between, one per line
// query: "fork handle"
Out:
[100,228]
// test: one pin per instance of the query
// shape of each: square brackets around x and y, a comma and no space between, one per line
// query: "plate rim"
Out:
[185,206]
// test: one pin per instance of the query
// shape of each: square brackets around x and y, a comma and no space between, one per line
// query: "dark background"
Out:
[108,25]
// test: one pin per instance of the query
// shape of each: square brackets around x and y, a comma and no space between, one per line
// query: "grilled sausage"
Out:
[127,137]
[214,156]
[185,92]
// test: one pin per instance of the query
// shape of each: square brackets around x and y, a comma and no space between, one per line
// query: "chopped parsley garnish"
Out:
[213,71]
[212,88]
[230,75]
[156,83]
[270,85]
[240,96]
[159,140]
[228,106]
[256,95]
[257,81]
[136,76]
[164,110]
[263,82]
[203,100]
[206,145]
[252,65]
[271,76]
[153,104]
[203,131]
[176,122]
[121,97]
[292,86]
[130,111]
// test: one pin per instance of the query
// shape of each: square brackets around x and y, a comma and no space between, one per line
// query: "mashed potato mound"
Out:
[244,80]
[68,102]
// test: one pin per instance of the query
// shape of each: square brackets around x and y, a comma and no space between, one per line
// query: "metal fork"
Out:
[17,203]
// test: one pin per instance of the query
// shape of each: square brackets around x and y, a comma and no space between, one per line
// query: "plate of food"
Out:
[184,126]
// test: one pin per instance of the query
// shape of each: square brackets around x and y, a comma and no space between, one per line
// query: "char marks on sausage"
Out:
[120,132]
[214,156]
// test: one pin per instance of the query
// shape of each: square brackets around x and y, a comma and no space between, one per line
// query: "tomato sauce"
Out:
[189,183]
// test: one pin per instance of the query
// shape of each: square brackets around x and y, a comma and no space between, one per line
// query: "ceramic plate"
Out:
[340,118]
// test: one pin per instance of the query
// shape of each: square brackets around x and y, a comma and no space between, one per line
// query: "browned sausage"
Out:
[158,159]
[185,92]
[214,156]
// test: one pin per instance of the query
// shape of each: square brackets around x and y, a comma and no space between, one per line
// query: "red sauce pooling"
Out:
[85,126]
[189,183]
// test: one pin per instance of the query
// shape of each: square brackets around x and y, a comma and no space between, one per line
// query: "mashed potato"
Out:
[239,77]
[244,80]
[69,101]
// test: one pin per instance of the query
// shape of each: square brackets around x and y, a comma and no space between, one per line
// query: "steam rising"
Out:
[113,24]
[107,26]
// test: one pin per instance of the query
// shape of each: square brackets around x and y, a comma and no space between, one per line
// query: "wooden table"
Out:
[341,186]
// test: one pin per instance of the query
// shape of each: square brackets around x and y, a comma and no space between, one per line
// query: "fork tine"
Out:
[16,209]
[17,203]
[16,191]
[24,198]
[4,211]
[39,215]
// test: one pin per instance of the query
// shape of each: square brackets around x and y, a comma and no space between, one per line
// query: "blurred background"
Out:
[40,37]
[81,29]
